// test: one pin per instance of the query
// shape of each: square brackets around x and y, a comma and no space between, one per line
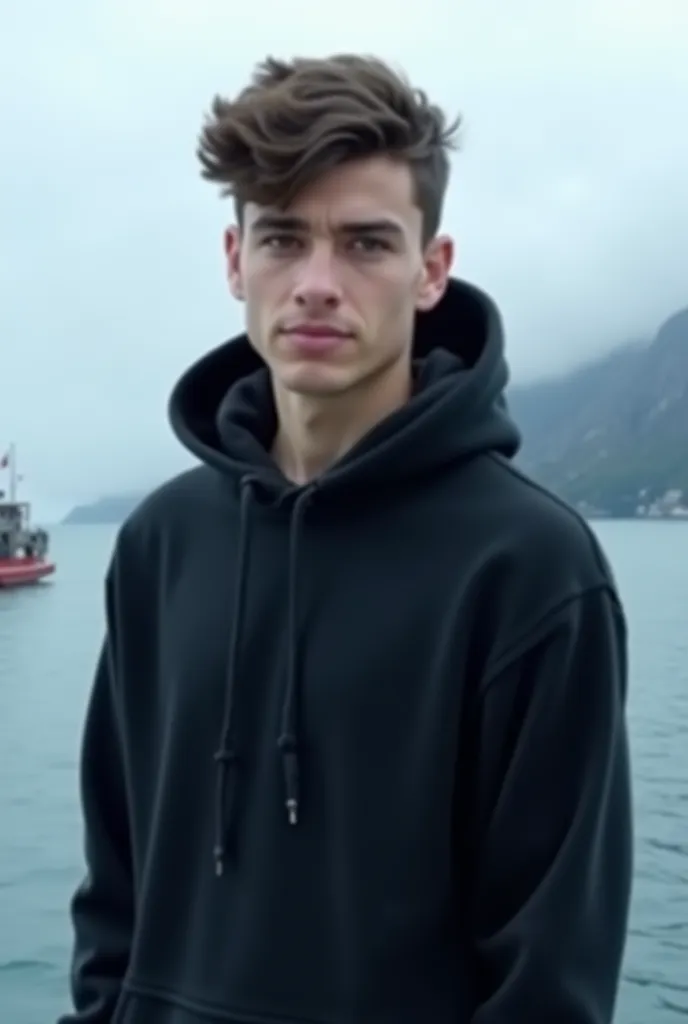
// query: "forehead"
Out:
[373,189]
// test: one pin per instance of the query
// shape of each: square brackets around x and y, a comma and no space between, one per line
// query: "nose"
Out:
[316,284]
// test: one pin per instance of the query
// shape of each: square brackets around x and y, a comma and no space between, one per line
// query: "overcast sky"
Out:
[569,200]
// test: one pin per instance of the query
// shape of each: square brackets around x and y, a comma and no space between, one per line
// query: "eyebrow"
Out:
[275,222]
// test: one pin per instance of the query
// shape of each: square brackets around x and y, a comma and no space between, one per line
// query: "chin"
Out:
[315,380]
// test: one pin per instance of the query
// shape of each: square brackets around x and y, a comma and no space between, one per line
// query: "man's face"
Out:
[332,284]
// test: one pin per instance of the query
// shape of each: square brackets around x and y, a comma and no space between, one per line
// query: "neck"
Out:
[315,432]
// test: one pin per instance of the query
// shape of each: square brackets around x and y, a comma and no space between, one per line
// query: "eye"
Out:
[279,243]
[369,245]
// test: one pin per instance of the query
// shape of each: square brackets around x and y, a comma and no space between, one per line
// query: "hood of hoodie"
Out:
[222,409]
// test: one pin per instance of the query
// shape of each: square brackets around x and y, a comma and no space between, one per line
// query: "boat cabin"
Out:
[17,538]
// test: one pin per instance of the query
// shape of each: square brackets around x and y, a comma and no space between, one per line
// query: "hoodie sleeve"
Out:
[554,842]
[103,906]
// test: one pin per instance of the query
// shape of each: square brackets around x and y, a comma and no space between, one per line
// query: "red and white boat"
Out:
[23,547]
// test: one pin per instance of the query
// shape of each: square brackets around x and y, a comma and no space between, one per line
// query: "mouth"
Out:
[316,337]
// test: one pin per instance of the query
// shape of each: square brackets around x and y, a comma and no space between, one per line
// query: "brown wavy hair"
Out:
[297,120]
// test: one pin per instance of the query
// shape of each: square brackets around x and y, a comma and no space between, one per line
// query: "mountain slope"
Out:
[114,509]
[613,437]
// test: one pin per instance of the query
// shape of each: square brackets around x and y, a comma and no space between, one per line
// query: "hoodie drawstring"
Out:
[288,742]
[226,757]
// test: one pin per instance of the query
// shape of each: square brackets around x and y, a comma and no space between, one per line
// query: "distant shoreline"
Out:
[589,518]
[637,519]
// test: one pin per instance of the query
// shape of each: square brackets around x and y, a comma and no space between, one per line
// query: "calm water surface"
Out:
[49,637]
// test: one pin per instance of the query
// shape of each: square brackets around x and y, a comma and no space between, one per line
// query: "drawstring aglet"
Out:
[292,811]
[290,766]
[218,854]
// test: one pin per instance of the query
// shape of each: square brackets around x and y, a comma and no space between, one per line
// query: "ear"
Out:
[437,263]
[232,247]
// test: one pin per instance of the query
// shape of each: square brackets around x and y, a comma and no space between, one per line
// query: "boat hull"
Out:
[21,572]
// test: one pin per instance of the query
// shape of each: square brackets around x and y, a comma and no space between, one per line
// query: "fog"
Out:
[569,200]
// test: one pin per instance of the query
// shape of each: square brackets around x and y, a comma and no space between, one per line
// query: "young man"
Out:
[356,749]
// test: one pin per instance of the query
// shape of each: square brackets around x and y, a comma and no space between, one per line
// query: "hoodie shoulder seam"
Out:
[517,648]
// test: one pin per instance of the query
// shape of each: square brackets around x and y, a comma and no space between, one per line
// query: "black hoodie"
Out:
[356,751]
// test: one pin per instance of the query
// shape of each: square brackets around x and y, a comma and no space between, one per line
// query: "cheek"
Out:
[395,293]
[266,286]
[397,308]
[266,298]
